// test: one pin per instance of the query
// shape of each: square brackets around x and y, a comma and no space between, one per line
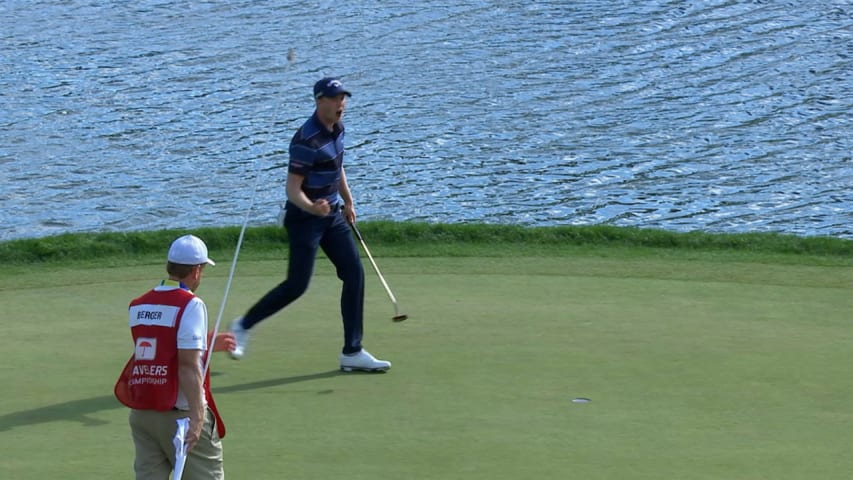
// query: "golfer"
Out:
[318,214]
[163,380]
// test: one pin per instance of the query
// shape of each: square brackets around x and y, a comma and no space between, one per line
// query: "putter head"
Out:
[399,318]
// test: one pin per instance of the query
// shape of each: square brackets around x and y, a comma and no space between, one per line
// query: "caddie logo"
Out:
[334,83]
[146,348]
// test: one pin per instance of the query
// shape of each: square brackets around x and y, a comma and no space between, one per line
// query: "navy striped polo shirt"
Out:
[318,155]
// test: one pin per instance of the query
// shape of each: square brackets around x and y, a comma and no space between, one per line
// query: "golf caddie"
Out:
[164,382]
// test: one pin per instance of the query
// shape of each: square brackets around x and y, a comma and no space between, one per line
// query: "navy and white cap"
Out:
[329,87]
[189,250]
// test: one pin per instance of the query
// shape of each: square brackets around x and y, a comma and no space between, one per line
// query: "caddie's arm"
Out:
[222,342]
[190,381]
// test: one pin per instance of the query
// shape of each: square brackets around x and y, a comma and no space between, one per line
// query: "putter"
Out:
[398,317]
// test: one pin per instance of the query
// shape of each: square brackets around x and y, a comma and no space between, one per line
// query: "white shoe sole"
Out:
[239,352]
[345,368]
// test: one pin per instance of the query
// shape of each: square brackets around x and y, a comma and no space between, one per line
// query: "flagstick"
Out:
[230,277]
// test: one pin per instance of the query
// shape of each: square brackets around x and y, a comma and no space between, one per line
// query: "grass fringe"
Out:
[428,239]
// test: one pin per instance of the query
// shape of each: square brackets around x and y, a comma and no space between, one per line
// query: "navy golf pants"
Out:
[307,232]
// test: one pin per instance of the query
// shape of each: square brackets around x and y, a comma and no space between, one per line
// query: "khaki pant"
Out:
[152,433]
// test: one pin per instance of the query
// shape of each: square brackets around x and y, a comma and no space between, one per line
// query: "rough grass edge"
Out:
[420,239]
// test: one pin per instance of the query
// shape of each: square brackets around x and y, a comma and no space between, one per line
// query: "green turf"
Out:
[699,364]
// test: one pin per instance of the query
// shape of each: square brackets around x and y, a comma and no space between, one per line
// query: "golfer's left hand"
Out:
[349,213]
[224,342]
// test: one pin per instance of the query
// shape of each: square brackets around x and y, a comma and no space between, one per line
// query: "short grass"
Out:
[699,365]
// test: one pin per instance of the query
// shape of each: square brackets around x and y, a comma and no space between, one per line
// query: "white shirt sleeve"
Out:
[192,333]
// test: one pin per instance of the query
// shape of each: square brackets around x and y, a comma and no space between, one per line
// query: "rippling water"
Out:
[726,116]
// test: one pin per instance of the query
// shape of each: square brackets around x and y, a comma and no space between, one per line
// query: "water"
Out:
[723,116]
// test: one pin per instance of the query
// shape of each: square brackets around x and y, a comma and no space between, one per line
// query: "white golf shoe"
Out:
[241,336]
[364,362]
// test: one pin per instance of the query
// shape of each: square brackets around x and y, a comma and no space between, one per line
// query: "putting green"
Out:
[697,368]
